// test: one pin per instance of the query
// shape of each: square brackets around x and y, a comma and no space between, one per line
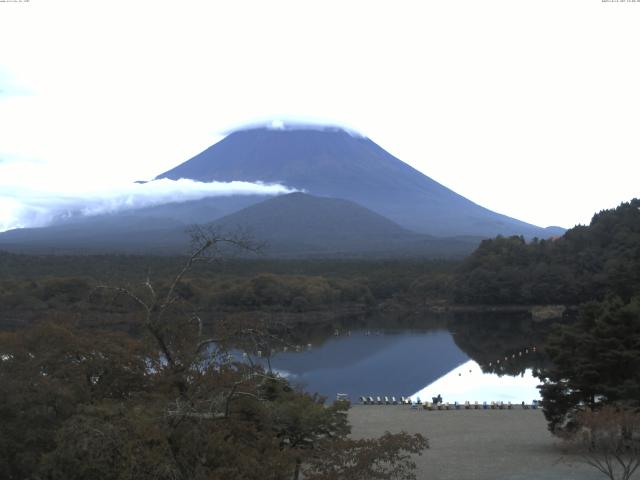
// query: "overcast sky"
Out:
[530,108]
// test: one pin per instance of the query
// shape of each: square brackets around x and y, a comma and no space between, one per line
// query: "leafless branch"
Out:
[150,287]
[128,293]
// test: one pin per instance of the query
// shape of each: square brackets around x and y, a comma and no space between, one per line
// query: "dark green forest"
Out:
[586,263]
[37,288]
[594,362]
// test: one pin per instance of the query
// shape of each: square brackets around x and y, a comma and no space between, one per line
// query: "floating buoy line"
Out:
[521,353]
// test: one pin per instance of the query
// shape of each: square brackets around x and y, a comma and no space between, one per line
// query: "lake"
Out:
[401,363]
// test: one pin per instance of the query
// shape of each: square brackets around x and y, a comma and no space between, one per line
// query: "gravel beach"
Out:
[477,444]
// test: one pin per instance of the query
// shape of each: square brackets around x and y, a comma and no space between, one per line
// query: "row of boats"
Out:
[385,400]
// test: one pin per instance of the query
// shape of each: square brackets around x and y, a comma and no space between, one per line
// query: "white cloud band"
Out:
[22,208]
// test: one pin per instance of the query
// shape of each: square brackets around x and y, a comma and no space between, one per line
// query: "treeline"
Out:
[587,263]
[45,288]
[131,267]
[27,301]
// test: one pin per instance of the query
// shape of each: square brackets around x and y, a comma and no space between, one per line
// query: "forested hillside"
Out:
[586,263]
[38,288]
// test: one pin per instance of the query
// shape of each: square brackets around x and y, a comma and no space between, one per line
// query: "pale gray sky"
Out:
[529,108]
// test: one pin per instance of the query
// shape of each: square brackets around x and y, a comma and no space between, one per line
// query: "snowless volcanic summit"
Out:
[333,162]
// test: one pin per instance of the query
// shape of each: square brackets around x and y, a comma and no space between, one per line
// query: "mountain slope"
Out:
[303,222]
[100,234]
[332,162]
[293,225]
[300,224]
[157,229]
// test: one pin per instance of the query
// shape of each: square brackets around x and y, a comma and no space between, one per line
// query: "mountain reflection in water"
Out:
[469,383]
[396,363]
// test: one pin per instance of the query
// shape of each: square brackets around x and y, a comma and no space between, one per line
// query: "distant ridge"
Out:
[298,224]
[332,162]
[294,225]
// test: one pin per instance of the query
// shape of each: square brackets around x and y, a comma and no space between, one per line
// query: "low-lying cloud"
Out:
[23,208]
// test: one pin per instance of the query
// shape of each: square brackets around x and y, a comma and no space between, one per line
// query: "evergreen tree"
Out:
[596,361]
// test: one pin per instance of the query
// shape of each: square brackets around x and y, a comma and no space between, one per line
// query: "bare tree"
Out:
[609,440]
[177,329]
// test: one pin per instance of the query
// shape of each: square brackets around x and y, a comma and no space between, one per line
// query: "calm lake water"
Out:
[398,363]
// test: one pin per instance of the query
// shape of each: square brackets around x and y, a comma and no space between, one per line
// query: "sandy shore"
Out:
[477,444]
